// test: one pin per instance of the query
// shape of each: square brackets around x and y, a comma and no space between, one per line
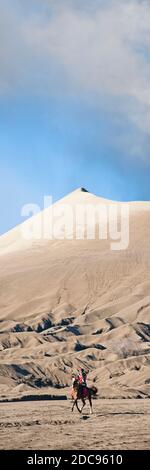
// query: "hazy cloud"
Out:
[98,48]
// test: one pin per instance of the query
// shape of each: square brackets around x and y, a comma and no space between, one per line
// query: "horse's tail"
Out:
[93,390]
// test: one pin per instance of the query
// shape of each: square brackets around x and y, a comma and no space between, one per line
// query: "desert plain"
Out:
[115,424]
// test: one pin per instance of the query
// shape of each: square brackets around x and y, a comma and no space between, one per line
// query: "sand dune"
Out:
[66,303]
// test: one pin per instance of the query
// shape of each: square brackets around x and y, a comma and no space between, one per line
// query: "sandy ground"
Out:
[115,424]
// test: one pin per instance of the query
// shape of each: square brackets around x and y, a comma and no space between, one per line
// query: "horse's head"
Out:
[76,384]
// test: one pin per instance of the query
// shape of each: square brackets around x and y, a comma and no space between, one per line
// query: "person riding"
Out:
[80,378]
[83,377]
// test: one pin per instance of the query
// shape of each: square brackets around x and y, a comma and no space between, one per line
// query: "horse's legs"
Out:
[83,401]
[90,401]
[76,402]
[73,405]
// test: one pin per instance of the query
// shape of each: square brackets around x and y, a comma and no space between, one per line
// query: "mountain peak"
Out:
[81,190]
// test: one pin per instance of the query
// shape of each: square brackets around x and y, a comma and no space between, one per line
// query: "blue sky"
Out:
[74,101]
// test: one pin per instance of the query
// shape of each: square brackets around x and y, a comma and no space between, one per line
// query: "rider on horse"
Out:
[83,377]
[80,379]
[80,390]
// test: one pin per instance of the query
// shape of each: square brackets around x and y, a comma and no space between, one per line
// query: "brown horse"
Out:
[79,392]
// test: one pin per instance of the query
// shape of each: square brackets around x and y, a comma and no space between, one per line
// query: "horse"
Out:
[80,392]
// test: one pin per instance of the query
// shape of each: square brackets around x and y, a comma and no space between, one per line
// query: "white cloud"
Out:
[102,51]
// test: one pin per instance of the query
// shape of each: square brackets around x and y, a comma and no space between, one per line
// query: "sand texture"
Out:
[67,303]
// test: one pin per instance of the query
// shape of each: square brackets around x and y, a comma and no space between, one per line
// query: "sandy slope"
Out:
[66,303]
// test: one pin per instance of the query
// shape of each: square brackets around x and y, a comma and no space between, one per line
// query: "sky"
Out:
[74,101]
